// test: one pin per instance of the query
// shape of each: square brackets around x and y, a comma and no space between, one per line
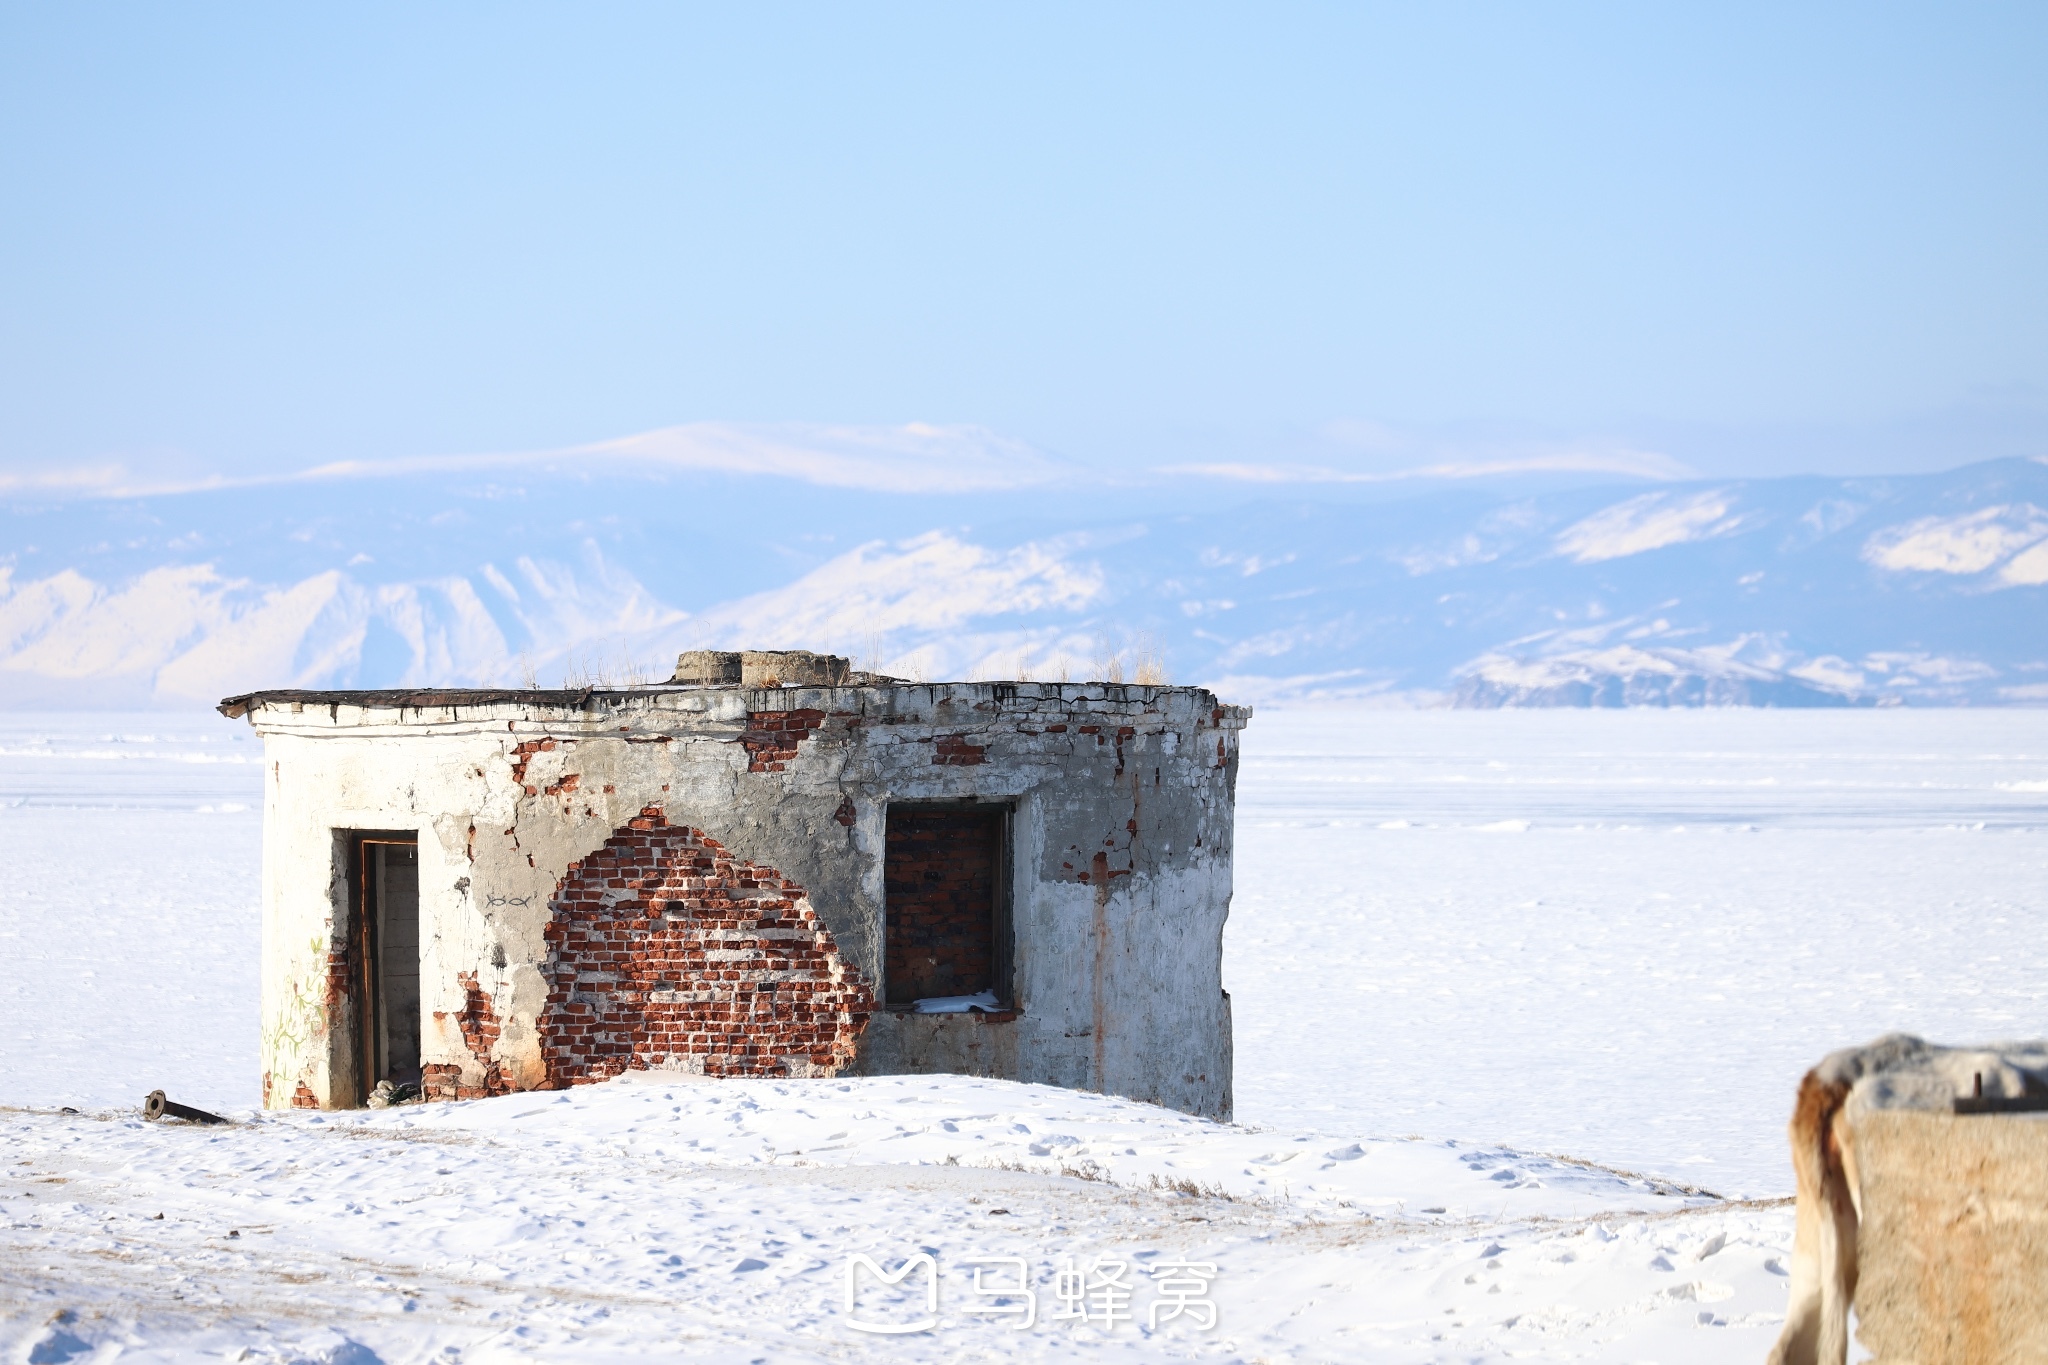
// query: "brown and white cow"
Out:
[1897,1071]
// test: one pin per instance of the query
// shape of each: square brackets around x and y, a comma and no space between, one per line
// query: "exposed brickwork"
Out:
[340,977]
[846,814]
[338,1003]
[338,999]
[664,948]
[1122,733]
[522,754]
[955,751]
[772,737]
[939,877]
[479,1025]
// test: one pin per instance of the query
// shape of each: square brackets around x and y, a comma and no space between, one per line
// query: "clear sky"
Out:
[1753,238]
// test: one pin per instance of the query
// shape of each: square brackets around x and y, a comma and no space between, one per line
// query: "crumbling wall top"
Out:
[988,702]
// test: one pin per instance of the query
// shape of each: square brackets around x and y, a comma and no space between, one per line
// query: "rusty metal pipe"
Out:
[157,1107]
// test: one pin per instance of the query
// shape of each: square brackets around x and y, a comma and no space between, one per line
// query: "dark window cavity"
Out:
[946,876]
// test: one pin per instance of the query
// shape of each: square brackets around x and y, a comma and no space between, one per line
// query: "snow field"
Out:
[1608,936]
[1623,936]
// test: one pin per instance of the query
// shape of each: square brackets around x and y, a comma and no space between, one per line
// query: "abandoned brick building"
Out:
[769,866]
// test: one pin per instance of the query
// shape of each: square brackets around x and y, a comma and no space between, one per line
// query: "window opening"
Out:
[945,876]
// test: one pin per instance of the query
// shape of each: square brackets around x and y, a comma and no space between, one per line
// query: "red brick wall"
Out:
[953,751]
[479,1025]
[522,754]
[339,986]
[771,737]
[939,876]
[663,944]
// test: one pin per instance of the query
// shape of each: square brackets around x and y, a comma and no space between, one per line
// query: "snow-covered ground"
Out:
[1460,940]
[719,1219]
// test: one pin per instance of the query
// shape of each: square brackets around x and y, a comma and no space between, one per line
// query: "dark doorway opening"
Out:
[384,895]
[946,876]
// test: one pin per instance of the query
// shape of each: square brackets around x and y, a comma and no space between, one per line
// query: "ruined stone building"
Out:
[769,866]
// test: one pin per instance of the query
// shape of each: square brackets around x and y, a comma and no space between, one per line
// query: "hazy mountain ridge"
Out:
[1797,591]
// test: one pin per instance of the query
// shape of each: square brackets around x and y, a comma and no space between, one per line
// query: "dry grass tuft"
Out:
[1191,1189]
[1150,670]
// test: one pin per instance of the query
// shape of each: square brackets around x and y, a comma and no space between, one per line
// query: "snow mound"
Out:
[1005,1125]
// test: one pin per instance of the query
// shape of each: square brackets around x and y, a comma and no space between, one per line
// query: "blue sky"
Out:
[1746,239]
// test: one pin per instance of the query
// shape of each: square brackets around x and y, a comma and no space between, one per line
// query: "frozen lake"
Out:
[1616,935]
[1624,935]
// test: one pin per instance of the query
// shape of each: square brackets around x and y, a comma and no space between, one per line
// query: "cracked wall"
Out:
[1118,880]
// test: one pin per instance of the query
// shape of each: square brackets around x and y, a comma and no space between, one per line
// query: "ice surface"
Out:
[129,909]
[1617,936]
[1623,935]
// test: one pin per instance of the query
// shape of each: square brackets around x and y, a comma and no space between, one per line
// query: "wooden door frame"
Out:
[365,932]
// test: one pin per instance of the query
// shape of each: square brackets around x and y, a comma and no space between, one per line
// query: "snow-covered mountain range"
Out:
[602,564]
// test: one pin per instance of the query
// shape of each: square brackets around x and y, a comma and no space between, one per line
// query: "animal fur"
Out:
[1897,1071]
